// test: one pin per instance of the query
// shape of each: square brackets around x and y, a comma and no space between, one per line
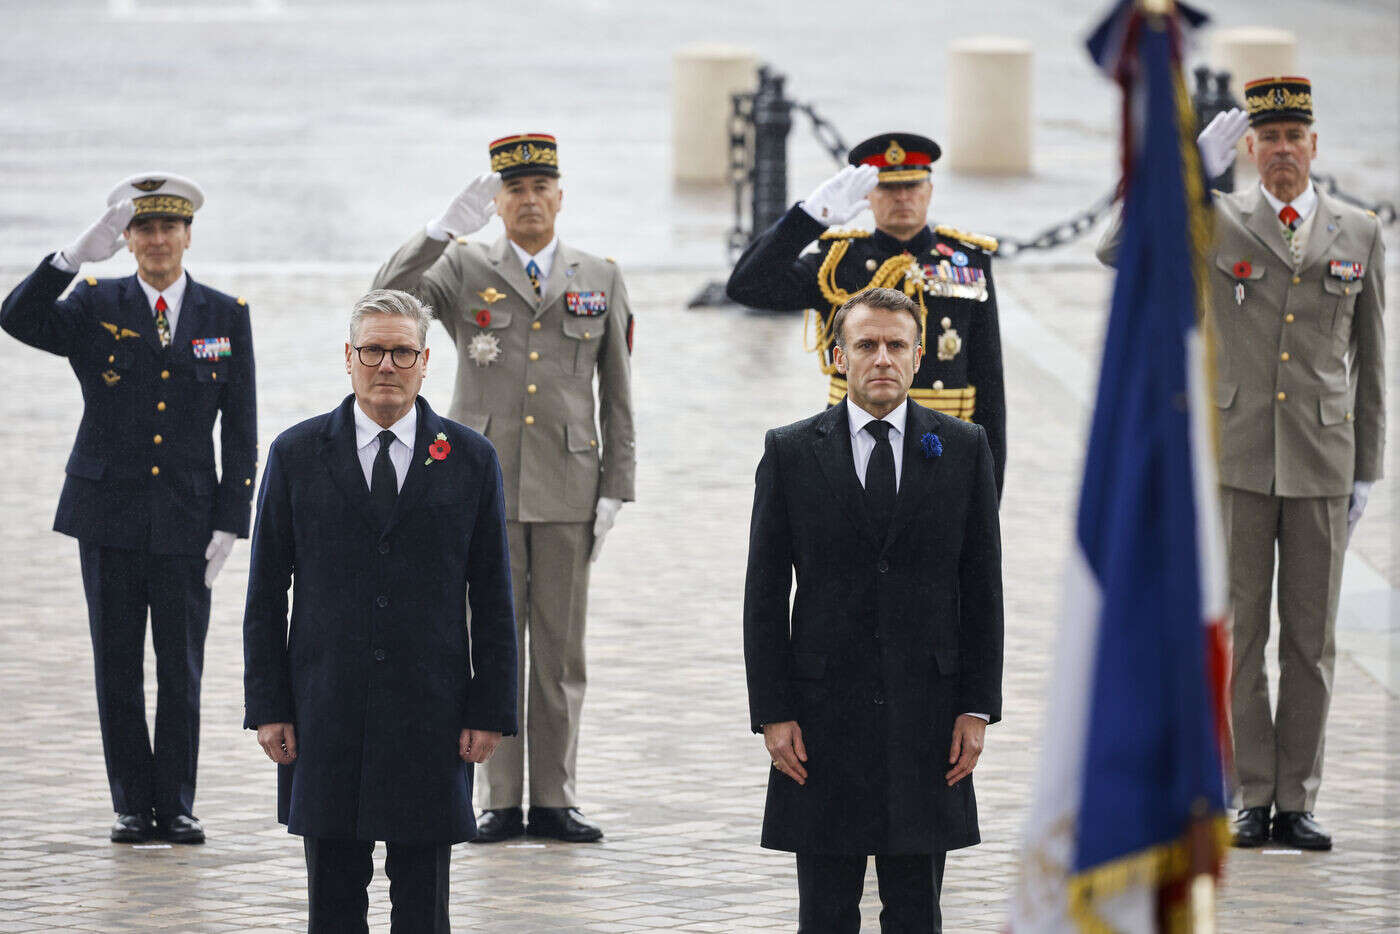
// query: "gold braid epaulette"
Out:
[889,274]
[981,241]
[843,233]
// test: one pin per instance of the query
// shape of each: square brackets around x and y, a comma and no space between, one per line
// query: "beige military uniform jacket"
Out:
[1300,362]
[526,365]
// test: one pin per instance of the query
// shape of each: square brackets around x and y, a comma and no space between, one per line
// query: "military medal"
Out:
[1239,293]
[491,296]
[1347,272]
[211,348]
[586,304]
[949,343]
[484,349]
[1242,270]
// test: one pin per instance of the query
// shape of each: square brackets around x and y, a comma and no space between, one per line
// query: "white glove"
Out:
[606,515]
[842,197]
[1360,492]
[220,547]
[100,241]
[470,211]
[1217,141]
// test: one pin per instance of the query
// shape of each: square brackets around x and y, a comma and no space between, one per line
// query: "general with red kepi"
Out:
[947,271]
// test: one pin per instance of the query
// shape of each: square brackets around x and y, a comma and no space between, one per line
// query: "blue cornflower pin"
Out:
[931,445]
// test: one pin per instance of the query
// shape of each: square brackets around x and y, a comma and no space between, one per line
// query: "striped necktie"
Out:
[533,271]
[162,322]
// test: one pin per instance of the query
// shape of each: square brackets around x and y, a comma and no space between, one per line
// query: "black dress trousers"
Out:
[829,886]
[338,874]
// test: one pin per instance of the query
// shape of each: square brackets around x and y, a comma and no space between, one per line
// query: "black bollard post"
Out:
[772,120]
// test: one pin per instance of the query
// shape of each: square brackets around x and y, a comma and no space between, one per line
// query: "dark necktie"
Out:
[162,322]
[533,271]
[879,477]
[384,483]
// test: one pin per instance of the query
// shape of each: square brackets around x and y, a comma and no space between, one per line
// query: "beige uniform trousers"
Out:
[549,579]
[1278,756]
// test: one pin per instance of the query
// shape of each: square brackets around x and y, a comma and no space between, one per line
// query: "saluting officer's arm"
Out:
[423,267]
[773,273]
[34,314]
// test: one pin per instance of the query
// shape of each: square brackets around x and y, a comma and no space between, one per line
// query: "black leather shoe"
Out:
[565,824]
[1251,827]
[1297,829]
[497,824]
[133,828]
[181,829]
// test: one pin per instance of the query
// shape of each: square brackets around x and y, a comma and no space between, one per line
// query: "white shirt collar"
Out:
[1303,204]
[174,295]
[544,258]
[367,430]
[858,417]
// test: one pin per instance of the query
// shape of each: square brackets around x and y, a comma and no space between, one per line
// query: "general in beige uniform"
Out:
[1297,299]
[534,321]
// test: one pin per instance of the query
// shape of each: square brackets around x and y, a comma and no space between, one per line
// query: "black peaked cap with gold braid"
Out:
[1271,99]
[900,157]
[525,154]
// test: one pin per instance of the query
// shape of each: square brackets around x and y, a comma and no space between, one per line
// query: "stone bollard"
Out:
[989,105]
[704,75]
[1249,52]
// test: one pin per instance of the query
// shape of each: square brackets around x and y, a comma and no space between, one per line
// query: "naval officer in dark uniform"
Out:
[158,357]
[947,271]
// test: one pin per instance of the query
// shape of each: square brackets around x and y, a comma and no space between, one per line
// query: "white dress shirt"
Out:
[863,442]
[400,449]
[863,445]
[174,297]
[543,259]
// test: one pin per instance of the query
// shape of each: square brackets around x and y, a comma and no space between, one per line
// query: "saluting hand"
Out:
[103,239]
[469,211]
[1217,141]
[842,197]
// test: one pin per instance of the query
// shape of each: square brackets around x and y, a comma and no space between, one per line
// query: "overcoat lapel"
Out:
[1326,226]
[507,264]
[559,278]
[137,312]
[1265,226]
[191,319]
[343,464]
[419,473]
[832,448]
[917,472]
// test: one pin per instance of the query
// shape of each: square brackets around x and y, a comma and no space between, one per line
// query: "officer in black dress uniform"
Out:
[158,357]
[946,270]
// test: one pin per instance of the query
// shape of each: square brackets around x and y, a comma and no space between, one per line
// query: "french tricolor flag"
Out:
[1127,828]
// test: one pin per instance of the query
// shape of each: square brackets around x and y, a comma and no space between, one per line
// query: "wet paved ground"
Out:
[324,133]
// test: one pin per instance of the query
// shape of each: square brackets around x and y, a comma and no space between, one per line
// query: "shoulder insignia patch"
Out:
[610,259]
[843,233]
[242,300]
[981,241]
[462,239]
[91,280]
[1370,212]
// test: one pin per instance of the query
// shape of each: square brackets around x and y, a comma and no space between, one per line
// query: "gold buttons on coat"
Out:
[1283,397]
[592,443]
[535,326]
[586,335]
[1283,356]
[111,359]
[157,439]
[155,471]
[1288,318]
[529,419]
[248,482]
[160,406]
[1346,290]
[938,384]
[1347,416]
[164,374]
[213,375]
[532,389]
[1297,279]
[947,323]
[534,355]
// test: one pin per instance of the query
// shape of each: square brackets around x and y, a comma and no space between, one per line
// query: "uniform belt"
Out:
[959,403]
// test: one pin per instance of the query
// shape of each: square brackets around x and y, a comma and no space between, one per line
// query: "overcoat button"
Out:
[884,565]
[383,548]
[381,601]
[380,655]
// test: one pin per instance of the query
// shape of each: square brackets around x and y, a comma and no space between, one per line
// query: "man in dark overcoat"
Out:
[159,358]
[384,520]
[874,690]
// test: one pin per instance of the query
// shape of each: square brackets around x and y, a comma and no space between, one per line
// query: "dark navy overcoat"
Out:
[375,667]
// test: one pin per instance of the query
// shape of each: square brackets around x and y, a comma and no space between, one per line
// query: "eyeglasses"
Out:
[404,357]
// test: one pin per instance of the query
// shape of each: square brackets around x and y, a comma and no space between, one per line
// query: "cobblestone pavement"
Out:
[668,766]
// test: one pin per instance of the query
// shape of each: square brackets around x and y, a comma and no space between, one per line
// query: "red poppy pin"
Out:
[483,318]
[438,450]
[1243,269]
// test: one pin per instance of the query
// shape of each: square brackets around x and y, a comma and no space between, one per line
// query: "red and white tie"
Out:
[162,322]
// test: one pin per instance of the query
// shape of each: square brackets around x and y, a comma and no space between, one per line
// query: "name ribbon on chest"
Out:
[211,348]
[1347,272]
[586,304]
